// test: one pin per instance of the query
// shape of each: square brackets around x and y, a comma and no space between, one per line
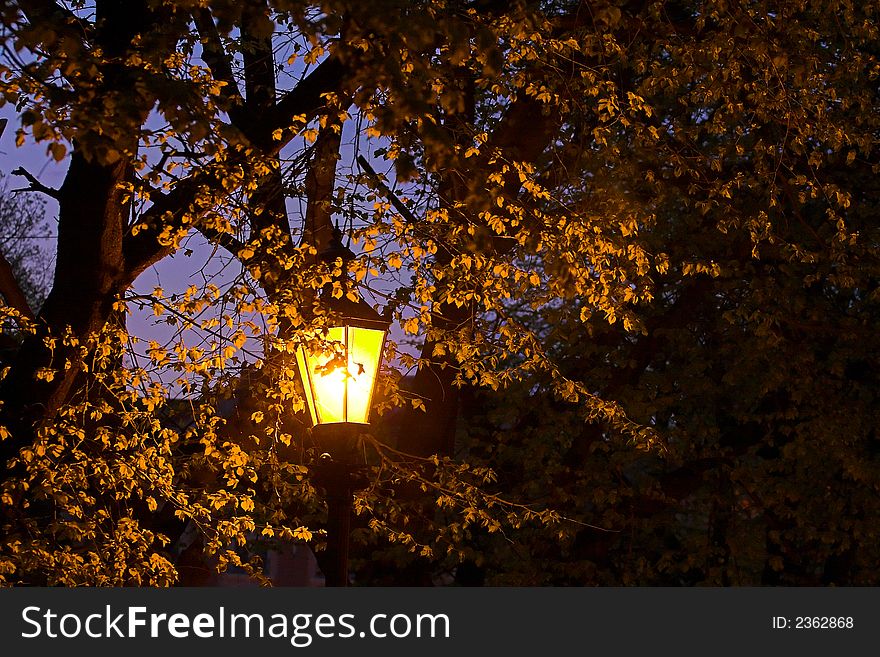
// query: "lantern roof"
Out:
[336,249]
[355,313]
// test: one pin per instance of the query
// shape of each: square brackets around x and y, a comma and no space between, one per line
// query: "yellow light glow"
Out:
[364,352]
[342,393]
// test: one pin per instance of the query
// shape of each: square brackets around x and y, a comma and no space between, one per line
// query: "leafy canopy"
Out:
[561,182]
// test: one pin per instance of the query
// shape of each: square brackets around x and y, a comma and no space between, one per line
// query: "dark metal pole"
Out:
[338,529]
[335,476]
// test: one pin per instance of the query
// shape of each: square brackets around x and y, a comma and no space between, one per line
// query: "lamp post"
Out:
[339,386]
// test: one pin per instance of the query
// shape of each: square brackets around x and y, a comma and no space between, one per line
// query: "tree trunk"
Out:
[89,275]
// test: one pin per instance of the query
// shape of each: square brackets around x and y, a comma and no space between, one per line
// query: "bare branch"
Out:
[35,185]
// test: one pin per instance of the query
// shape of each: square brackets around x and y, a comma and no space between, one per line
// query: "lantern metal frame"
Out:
[352,319]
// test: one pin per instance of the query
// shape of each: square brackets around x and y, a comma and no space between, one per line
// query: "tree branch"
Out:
[379,184]
[35,185]
[143,250]
[305,98]
[42,11]
[218,61]
[320,181]
[258,58]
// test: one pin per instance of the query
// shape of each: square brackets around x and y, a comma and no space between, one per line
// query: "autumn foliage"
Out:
[630,250]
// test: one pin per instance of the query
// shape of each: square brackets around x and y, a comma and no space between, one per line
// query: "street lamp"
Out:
[339,384]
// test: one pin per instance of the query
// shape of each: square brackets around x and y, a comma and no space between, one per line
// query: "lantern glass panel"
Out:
[341,389]
[364,352]
[302,360]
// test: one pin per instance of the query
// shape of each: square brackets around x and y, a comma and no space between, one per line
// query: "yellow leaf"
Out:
[45,374]
[58,151]
[302,533]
